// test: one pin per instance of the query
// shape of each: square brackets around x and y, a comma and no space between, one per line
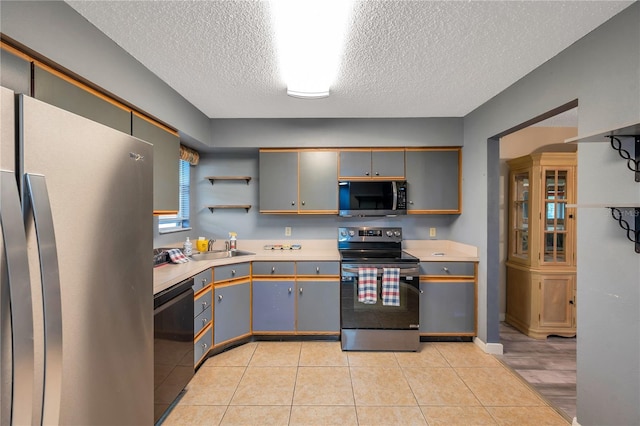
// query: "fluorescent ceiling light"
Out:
[310,38]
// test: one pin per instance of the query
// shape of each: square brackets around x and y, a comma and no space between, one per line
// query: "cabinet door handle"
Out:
[366,173]
[410,202]
[303,203]
[293,203]
[204,305]
[300,290]
[273,269]
[377,174]
[445,269]
[204,282]
[290,290]
[421,291]
[204,321]
[204,346]
[219,297]
[317,269]
[233,272]
[571,302]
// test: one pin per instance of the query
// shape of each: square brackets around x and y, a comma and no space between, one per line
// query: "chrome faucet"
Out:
[210,244]
[226,245]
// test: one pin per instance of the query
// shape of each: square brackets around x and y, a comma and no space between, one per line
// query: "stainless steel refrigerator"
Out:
[76,299]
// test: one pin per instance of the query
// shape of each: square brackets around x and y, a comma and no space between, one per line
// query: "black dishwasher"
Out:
[172,344]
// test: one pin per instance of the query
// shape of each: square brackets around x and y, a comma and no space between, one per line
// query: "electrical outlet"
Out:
[432,232]
[287,231]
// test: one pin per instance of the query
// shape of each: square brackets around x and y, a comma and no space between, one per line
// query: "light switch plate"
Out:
[432,232]
[287,231]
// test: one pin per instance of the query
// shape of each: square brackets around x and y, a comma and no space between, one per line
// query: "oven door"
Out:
[358,315]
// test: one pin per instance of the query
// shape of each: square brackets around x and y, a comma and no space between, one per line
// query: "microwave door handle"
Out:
[394,187]
[19,285]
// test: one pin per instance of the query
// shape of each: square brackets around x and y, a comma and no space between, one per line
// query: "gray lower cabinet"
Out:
[448,308]
[319,305]
[232,311]
[166,166]
[201,346]
[274,305]
[58,91]
[433,179]
[202,329]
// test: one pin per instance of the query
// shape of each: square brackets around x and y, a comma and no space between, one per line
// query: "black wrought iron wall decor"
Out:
[624,216]
[633,161]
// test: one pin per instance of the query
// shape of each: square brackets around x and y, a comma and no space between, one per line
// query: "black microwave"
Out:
[372,198]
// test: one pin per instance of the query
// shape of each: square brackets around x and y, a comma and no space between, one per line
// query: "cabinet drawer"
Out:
[230,272]
[202,346]
[202,303]
[447,268]
[318,268]
[273,268]
[201,280]
[201,321]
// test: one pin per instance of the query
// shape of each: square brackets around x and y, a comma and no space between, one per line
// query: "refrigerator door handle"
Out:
[17,263]
[36,191]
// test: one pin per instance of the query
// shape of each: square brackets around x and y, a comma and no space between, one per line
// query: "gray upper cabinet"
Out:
[56,89]
[278,181]
[15,72]
[433,178]
[318,182]
[298,181]
[372,164]
[166,153]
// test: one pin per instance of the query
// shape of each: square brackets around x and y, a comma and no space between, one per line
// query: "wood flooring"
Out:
[548,365]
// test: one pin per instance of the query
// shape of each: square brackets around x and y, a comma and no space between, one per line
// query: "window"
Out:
[177,222]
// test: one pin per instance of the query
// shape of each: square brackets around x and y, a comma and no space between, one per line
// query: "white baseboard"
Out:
[575,422]
[502,317]
[490,348]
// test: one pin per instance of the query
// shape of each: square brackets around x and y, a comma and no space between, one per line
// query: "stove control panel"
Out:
[370,234]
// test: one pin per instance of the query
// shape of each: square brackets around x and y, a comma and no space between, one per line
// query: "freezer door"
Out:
[99,186]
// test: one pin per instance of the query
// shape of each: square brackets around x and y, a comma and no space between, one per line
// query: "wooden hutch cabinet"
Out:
[541,266]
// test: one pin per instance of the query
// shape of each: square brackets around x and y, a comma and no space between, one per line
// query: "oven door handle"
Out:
[413,270]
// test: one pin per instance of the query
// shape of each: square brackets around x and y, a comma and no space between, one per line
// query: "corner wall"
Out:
[602,71]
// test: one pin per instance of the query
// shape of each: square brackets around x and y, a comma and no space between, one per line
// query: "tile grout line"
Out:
[536,391]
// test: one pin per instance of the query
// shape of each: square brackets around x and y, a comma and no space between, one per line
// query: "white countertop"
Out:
[312,250]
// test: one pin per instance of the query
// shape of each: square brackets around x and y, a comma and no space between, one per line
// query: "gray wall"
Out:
[57,31]
[602,71]
[335,132]
[263,226]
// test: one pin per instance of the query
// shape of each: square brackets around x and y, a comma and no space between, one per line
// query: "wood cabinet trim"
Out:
[155,123]
[16,52]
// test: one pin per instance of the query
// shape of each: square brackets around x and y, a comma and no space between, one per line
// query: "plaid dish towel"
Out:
[177,256]
[368,285]
[391,286]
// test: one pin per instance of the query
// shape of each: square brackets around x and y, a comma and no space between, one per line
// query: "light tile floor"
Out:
[316,383]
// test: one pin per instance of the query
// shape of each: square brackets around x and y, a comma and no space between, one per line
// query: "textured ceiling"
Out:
[402,58]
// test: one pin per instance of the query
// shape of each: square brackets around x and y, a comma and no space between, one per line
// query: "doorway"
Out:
[547,363]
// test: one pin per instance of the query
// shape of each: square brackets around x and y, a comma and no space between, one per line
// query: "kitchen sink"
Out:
[220,254]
